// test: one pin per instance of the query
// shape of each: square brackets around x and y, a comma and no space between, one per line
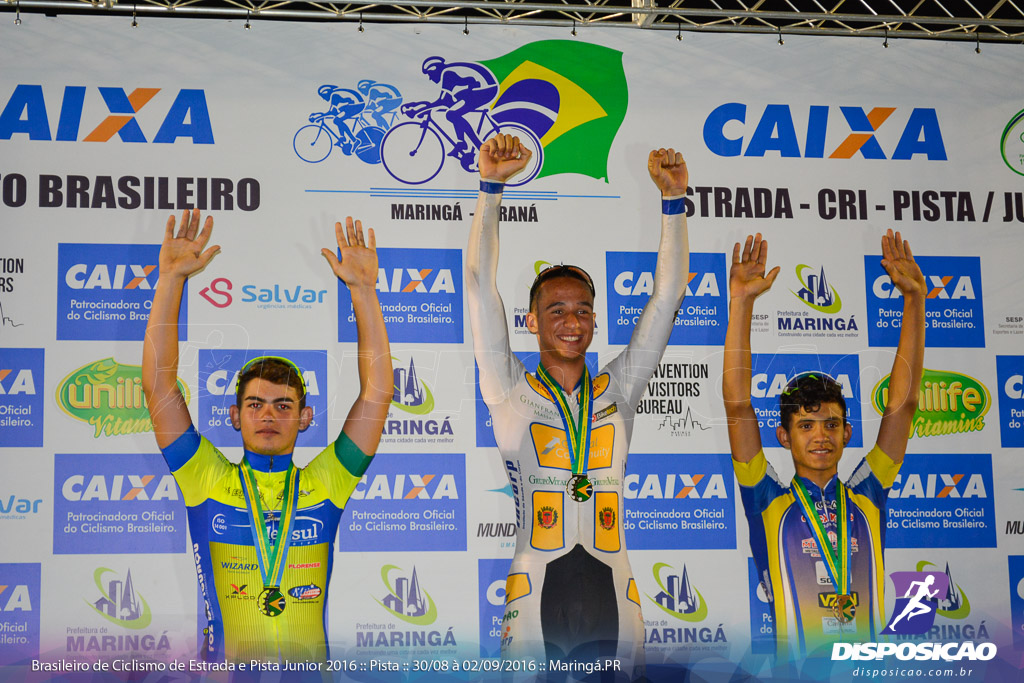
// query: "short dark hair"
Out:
[273,369]
[809,390]
[552,272]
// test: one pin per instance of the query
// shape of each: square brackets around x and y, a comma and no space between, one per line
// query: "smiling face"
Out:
[816,440]
[269,417]
[563,319]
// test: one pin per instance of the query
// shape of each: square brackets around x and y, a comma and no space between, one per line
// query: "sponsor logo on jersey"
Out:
[942,501]
[948,403]
[19,612]
[492,576]
[218,380]
[105,291]
[21,401]
[954,305]
[307,592]
[183,115]
[730,131]
[116,503]
[108,396]
[703,316]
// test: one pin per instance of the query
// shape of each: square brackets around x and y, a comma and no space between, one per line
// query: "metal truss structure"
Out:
[977,21]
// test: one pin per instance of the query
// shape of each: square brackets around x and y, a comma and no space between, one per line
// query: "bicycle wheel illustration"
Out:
[411,153]
[368,144]
[527,137]
[313,143]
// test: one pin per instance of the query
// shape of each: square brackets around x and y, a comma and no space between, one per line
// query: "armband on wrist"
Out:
[673,207]
[491,187]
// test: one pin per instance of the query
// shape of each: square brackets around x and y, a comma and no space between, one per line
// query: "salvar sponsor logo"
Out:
[947,652]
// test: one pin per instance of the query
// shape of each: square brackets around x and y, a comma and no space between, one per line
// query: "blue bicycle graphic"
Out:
[314,141]
[414,152]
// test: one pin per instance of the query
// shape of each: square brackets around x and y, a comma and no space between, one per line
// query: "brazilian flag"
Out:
[571,94]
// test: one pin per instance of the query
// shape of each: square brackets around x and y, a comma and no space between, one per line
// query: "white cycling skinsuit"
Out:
[570,592]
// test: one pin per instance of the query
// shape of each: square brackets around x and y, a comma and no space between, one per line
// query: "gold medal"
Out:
[844,609]
[271,601]
[579,488]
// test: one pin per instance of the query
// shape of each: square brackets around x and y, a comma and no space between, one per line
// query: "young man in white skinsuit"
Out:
[570,593]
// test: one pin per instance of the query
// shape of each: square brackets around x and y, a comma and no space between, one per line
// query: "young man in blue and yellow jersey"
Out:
[250,523]
[818,543]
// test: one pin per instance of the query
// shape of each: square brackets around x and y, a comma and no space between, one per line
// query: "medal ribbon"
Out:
[271,556]
[837,559]
[577,432]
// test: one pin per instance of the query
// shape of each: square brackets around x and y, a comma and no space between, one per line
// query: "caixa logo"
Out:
[668,486]
[629,283]
[950,287]
[730,132]
[771,385]
[407,487]
[186,116]
[138,487]
[110,276]
[14,381]
[420,296]
[224,382]
[939,485]
[1010,376]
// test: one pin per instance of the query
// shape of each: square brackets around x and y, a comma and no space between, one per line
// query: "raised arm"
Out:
[638,361]
[357,268]
[501,157]
[181,256]
[905,379]
[747,281]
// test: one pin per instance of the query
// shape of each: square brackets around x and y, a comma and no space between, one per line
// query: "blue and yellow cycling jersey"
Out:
[226,562]
[789,565]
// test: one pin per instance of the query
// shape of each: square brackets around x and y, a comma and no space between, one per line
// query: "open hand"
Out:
[185,254]
[358,264]
[899,263]
[747,277]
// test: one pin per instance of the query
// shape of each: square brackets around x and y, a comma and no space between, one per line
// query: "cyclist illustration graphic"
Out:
[367,108]
[382,102]
[414,152]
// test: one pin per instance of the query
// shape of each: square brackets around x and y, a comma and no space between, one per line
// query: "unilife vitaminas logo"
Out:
[948,403]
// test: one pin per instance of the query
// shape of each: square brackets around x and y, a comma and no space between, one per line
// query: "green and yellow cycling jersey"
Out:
[225,556]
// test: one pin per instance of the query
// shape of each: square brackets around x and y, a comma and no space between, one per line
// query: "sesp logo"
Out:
[678,598]
[420,295]
[105,291]
[1010,379]
[186,116]
[727,133]
[954,304]
[701,319]
[942,501]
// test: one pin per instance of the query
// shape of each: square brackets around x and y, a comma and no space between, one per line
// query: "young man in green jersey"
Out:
[265,525]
